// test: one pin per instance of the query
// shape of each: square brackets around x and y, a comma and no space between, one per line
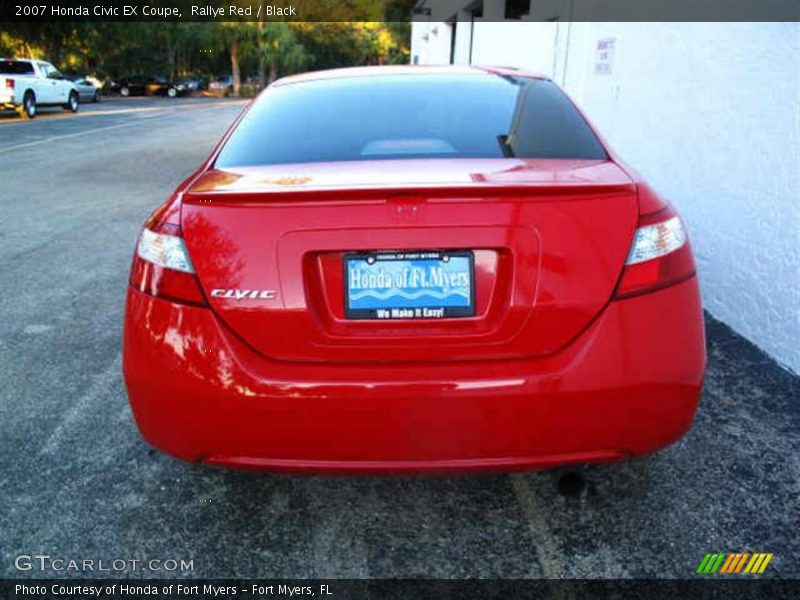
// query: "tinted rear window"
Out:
[16,67]
[410,116]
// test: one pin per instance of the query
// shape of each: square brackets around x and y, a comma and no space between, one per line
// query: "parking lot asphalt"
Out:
[79,483]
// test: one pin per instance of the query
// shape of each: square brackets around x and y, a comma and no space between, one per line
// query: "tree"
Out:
[282,51]
[261,55]
[377,42]
[269,49]
[170,38]
[235,37]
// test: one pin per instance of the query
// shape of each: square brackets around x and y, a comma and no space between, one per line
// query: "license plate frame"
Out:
[424,301]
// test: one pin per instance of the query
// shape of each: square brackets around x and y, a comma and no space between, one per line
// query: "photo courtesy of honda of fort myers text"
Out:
[399,299]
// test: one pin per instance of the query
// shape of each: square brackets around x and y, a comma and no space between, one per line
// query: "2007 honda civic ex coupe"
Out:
[413,269]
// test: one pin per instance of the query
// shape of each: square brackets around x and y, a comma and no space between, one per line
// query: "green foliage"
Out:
[351,44]
[216,49]
[283,51]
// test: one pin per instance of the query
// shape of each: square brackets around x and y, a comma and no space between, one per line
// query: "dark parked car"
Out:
[140,85]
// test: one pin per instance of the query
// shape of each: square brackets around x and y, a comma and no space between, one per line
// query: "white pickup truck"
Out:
[26,84]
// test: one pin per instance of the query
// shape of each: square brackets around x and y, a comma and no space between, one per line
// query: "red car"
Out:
[413,269]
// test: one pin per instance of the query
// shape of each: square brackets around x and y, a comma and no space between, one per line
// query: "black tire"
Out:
[73,103]
[96,97]
[124,91]
[28,109]
[172,92]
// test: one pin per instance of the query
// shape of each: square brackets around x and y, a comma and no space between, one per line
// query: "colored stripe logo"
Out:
[734,562]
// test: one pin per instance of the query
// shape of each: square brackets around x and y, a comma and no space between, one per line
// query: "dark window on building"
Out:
[476,12]
[516,9]
[452,28]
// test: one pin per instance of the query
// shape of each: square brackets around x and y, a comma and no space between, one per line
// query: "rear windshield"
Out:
[410,116]
[16,67]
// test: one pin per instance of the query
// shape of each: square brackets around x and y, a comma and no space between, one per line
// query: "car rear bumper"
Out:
[628,385]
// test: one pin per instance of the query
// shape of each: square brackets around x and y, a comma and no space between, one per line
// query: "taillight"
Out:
[10,83]
[162,266]
[659,256]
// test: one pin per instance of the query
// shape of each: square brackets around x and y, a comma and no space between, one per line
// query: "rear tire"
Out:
[28,109]
[124,91]
[172,92]
[73,103]
[96,97]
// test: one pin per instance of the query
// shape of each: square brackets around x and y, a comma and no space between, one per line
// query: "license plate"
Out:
[409,285]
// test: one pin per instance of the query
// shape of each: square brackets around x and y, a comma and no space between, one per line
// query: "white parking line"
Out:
[120,111]
[63,137]
[94,113]
[98,390]
[546,549]
[54,138]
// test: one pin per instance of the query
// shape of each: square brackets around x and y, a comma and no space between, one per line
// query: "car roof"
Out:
[351,72]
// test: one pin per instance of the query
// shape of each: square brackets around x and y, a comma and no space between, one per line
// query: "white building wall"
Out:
[709,114]
[430,43]
[525,45]
[463,47]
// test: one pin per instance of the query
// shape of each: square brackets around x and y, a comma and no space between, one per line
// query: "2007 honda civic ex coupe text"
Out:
[413,269]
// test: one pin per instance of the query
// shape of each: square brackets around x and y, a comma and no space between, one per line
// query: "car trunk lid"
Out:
[548,238]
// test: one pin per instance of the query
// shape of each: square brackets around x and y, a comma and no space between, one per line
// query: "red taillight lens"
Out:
[10,84]
[660,255]
[162,267]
